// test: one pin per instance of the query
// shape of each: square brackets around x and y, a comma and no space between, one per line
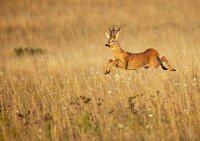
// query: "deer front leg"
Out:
[110,64]
[120,64]
[126,64]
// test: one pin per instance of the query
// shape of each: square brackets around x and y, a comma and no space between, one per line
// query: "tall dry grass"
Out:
[64,95]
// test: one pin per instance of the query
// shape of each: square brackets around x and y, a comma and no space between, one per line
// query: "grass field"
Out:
[63,93]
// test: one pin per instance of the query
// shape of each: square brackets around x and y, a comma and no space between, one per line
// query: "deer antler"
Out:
[119,29]
[113,31]
[113,28]
[110,30]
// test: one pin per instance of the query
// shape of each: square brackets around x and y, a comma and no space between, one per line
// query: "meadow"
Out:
[63,94]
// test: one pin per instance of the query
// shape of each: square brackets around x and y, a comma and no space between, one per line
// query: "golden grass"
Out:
[64,94]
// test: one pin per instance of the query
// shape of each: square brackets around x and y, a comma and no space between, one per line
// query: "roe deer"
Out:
[132,61]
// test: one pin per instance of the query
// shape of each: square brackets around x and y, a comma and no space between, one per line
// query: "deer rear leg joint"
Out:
[164,59]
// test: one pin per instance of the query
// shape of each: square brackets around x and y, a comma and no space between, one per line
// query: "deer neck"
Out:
[117,51]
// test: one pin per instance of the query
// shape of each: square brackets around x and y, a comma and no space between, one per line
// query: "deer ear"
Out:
[107,35]
[117,35]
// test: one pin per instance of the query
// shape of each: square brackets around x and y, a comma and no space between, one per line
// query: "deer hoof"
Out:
[107,72]
[172,69]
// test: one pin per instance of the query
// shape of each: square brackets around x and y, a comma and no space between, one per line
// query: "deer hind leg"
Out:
[164,59]
[153,62]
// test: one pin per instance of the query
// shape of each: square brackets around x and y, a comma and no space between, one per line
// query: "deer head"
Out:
[112,37]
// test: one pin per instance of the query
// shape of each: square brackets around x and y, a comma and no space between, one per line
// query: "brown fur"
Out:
[132,61]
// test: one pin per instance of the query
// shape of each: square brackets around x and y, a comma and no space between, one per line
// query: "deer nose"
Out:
[107,45]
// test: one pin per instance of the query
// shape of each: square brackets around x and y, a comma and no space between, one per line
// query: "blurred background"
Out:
[72,25]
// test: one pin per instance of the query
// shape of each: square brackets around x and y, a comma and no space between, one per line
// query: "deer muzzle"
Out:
[107,45]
